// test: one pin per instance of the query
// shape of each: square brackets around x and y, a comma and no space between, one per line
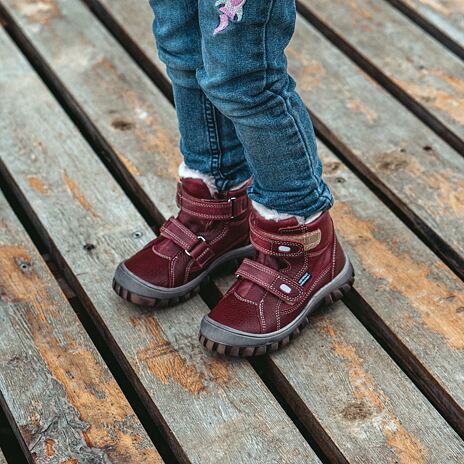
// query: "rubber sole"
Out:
[224,340]
[135,290]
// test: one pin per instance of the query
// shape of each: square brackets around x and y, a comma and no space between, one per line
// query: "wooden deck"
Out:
[88,164]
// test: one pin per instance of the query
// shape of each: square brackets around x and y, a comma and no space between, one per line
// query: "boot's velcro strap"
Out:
[275,282]
[194,245]
[219,210]
[275,246]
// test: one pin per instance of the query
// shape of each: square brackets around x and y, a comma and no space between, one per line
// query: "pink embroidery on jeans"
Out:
[230,10]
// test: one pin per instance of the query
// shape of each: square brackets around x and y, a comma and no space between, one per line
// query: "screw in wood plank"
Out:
[25,266]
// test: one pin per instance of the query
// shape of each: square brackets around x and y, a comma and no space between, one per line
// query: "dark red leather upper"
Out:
[292,262]
[206,227]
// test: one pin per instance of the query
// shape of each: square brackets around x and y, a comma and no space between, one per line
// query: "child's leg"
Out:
[244,74]
[209,142]
[211,227]
[299,264]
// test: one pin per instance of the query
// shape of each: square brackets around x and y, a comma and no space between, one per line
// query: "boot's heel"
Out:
[344,287]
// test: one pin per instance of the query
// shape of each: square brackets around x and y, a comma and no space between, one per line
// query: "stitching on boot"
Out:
[171,269]
[230,10]
[239,297]
[261,314]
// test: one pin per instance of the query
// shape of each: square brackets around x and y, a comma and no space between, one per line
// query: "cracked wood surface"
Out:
[65,404]
[210,409]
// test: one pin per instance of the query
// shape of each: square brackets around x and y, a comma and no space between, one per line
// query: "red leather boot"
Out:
[297,268]
[208,232]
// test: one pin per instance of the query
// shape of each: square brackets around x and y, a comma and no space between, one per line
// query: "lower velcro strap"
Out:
[194,245]
[272,280]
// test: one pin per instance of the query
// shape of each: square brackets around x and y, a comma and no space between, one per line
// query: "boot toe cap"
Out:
[236,314]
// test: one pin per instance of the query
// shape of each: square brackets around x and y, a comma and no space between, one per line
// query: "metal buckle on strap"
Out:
[202,239]
[231,200]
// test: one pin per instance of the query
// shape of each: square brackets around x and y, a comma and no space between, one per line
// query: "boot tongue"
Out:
[197,188]
[272,226]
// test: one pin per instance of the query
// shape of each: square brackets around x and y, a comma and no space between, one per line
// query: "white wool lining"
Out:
[273,215]
[185,172]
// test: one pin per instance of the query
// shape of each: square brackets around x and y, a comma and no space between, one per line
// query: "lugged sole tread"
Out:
[260,350]
[164,303]
[152,302]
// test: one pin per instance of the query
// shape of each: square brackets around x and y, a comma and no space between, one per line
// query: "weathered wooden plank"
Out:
[436,369]
[130,149]
[210,410]
[359,405]
[2,458]
[401,156]
[420,302]
[414,302]
[444,19]
[65,404]
[63,400]
[418,69]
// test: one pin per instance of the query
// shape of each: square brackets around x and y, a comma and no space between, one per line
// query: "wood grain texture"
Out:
[210,410]
[443,18]
[401,156]
[158,186]
[64,402]
[399,281]
[408,57]
[338,379]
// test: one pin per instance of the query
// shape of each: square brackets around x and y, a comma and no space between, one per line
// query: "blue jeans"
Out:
[238,111]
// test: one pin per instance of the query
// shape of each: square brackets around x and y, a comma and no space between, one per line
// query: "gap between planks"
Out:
[368,66]
[119,375]
[440,34]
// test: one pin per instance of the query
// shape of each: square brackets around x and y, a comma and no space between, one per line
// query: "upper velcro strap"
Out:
[275,282]
[194,245]
[219,210]
[274,245]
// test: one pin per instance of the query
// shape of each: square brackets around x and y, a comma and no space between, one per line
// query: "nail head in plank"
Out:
[63,400]
[211,409]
